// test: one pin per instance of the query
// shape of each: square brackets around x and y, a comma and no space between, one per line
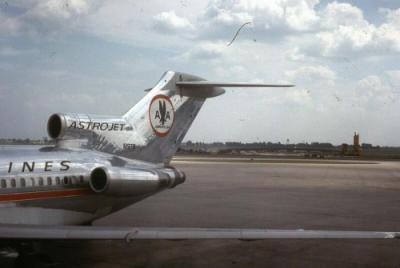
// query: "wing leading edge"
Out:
[132,233]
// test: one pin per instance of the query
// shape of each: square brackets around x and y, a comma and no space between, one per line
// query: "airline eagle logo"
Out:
[161,114]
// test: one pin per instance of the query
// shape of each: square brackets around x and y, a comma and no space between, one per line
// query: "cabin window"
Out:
[58,181]
[33,182]
[75,179]
[23,183]
[81,180]
[13,183]
[66,180]
[40,181]
[49,182]
[3,183]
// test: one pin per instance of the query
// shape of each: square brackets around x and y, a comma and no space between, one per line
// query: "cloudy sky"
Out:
[98,56]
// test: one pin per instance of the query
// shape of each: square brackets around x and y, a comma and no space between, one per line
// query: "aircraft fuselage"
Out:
[47,185]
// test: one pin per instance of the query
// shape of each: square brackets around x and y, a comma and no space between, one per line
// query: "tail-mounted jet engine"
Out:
[83,125]
[129,182]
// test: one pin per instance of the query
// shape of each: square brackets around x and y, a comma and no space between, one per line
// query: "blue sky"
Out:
[98,57]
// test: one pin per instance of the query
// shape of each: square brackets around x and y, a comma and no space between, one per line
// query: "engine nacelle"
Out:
[83,125]
[130,182]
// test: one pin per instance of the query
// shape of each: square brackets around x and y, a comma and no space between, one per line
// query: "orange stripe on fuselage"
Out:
[43,194]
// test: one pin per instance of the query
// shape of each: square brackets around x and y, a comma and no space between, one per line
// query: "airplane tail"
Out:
[153,129]
[162,118]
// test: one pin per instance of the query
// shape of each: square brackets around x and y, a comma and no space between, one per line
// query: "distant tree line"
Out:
[268,146]
[26,141]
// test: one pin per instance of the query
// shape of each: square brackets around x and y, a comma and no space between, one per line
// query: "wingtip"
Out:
[283,85]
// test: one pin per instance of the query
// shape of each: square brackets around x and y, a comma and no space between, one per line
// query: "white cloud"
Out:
[374,86]
[231,72]
[394,78]
[311,73]
[167,22]
[341,14]
[373,92]
[388,34]
[299,96]
[344,30]
[301,16]
[336,29]
[295,15]
[56,10]
[339,27]
[218,13]
[39,18]
[294,54]
[205,51]
[142,23]
[393,17]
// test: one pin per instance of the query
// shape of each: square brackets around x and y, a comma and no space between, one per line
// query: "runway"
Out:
[276,195]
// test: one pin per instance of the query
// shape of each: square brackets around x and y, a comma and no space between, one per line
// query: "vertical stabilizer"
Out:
[162,118]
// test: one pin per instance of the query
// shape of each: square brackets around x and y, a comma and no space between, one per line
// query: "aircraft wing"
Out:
[39,232]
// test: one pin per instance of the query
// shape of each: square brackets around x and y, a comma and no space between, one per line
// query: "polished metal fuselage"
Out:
[49,185]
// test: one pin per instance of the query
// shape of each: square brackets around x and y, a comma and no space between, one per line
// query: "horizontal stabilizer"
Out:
[222,84]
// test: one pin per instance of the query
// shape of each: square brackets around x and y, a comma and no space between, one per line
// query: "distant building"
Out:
[344,148]
[366,146]
[356,144]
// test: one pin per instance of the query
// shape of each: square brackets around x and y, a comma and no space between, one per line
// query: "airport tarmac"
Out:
[241,194]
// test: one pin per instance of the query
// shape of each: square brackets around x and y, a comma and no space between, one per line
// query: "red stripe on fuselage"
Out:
[44,194]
